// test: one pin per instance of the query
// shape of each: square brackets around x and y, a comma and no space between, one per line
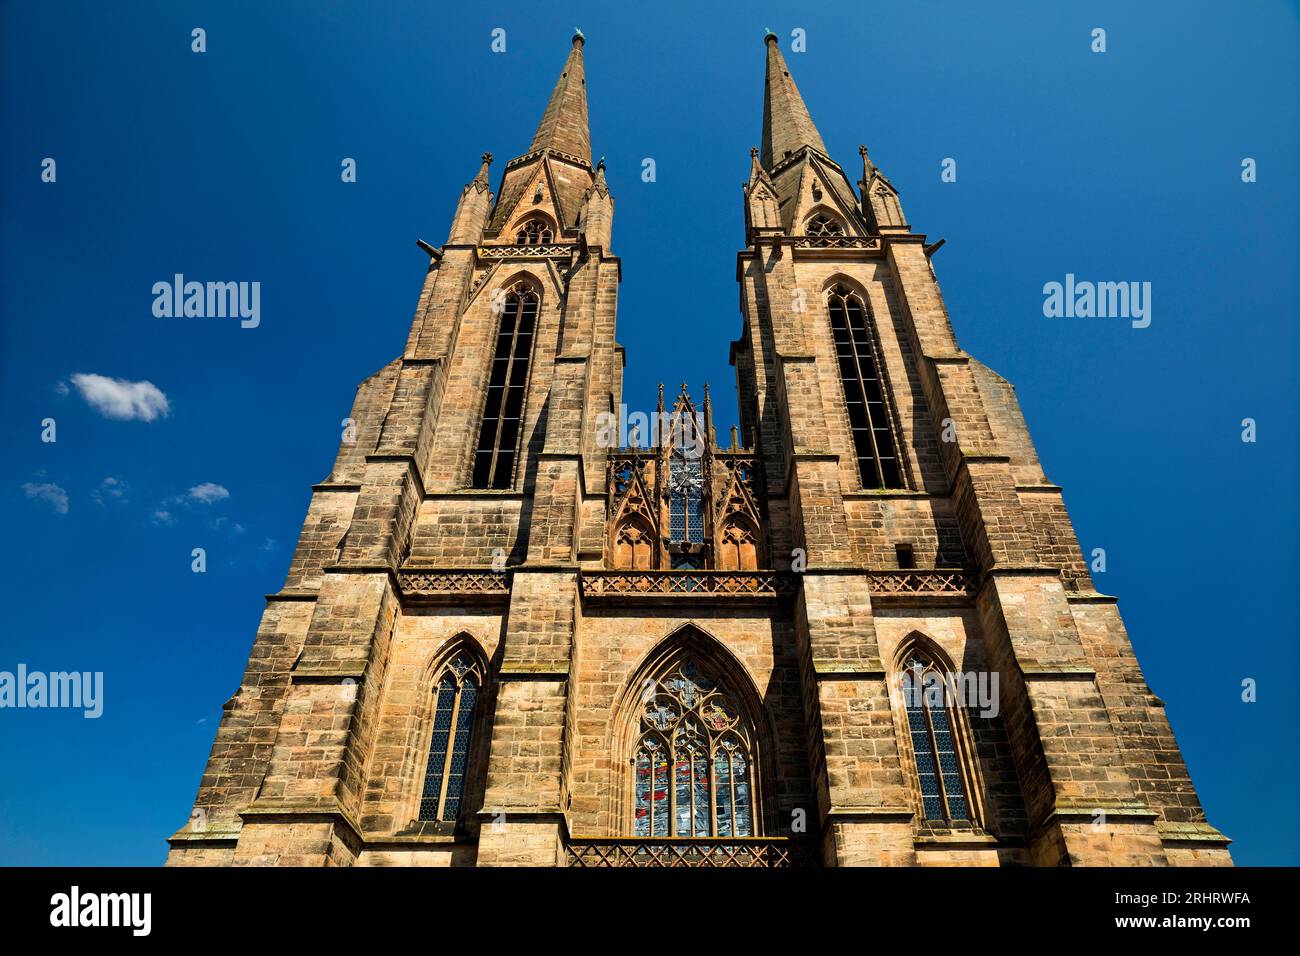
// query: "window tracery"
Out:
[693,764]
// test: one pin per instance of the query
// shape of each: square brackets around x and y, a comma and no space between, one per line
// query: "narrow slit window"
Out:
[498,440]
[864,391]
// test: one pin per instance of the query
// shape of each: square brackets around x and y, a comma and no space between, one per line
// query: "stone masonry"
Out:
[567,586]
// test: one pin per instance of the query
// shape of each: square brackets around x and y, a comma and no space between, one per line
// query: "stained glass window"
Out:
[706,789]
[864,391]
[686,500]
[934,743]
[498,440]
[445,773]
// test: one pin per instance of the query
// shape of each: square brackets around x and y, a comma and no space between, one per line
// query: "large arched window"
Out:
[534,232]
[936,740]
[864,392]
[693,763]
[498,439]
[458,688]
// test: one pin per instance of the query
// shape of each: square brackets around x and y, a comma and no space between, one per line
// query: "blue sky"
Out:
[1123,165]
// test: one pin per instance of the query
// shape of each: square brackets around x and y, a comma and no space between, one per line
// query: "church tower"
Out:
[523,628]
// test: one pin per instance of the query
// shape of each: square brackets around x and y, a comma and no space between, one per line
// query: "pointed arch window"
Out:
[686,499]
[693,763]
[633,546]
[936,741]
[739,549]
[498,440]
[534,232]
[457,691]
[864,391]
[824,225]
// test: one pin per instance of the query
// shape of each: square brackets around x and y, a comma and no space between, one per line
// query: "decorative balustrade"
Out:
[675,585]
[836,242]
[942,581]
[457,585]
[516,250]
[760,852]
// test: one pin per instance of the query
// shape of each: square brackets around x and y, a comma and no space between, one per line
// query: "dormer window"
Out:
[534,232]
[822,225]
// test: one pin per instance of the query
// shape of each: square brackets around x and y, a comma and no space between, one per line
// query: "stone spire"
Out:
[473,208]
[564,124]
[786,124]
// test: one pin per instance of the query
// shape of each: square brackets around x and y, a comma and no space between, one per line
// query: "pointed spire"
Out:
[564,124]
[868,167]
[482,176]
[787,127]
[597,217]
[473,208]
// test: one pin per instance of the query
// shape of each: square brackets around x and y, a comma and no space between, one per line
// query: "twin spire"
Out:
[787,125]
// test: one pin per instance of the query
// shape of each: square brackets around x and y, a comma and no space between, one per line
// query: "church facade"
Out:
[520,629]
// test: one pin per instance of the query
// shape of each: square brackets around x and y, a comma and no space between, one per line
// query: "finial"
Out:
[753,152]
[601,164]
[578,37]
[862,150]
[768,35]
[487,159]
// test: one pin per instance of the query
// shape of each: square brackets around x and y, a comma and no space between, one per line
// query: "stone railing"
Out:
[514,250]
[836,242]
[454,585]
[676,585]
[942,581]
[759,852]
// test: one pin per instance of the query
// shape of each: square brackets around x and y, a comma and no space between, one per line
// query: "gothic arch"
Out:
[870,416]
[691,650]
[517,308]
[739,547]
[633,546]
[534,228]
[912,725]
[460,656]
[835,221]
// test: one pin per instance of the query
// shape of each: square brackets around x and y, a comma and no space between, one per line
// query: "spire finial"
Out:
[487,159]
[579,38]
[868,167]
[769,36]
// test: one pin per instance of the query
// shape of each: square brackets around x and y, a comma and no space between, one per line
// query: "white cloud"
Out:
[110,489]
[208,492]
[162,516]
[48,491]
[120,399]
